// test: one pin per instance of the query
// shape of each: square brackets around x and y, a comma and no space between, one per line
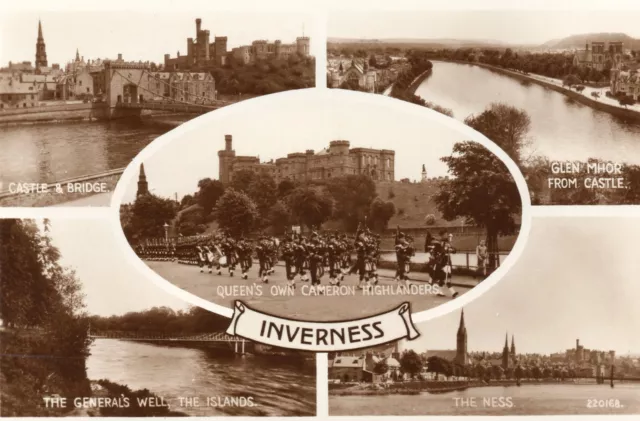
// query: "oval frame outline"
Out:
[129,175]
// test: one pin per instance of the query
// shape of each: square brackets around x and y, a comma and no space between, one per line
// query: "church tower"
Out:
[225,157]
[513,346]
[41,49]
[143,186]
[461,342]
[424,173]
[506,358]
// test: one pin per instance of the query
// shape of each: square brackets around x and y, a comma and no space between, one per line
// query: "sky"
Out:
[267,131]
[510,26]
[110,284]
[139,35]
[577,278]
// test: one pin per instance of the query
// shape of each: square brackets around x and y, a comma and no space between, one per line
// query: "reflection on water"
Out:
[549,399]
[561,128]
[278,389]
[53,152]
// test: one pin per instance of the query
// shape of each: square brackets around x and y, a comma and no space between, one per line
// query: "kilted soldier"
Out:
[334,253]
[300,255]
[244,251]
[288,256]
[202,259]
[229,250]
[402,258]
[209,256]
[441,264]
[316,257]
[361,255]
[263,252]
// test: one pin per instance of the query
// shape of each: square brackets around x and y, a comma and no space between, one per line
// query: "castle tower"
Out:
[461,342]
[513,346]
[143,186]
[41,49]
[506,361]
[302,46]
[424,173]
[225,158]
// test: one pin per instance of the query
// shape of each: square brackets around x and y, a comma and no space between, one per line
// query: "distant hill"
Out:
[579,41]
[423,43]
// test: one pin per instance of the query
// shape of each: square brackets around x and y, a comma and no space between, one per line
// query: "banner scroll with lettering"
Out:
[322,336]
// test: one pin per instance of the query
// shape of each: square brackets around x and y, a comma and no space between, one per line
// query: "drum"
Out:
[223,261]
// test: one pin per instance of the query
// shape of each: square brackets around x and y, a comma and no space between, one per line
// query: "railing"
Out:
[206,337]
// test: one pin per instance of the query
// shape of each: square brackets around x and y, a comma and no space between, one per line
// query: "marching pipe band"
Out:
[307,258]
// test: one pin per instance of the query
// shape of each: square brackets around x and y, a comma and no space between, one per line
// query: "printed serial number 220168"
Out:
[603,403]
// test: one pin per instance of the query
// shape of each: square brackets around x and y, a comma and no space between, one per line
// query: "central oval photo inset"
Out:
[323,205]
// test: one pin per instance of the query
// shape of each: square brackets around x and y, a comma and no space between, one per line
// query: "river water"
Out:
[277,389]
[53,152]
[525,400]
[561,129]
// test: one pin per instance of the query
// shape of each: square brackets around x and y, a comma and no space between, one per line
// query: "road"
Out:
[305,303]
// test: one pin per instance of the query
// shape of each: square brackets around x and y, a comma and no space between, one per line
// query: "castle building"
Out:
[599,55]
[143,185]
[41,50]
[203,54]
[335,161]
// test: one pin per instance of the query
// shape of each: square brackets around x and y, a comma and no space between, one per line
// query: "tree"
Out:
[209,191]
[430,219]
[438,365]
[380,213]
[482,191]
[264,193]
[309,207]
[381,368]
[518,372]
[497,372]
[149,213]
[595,95]
[506,126]
[236,212]
[280,217]
[580,88]
[242,180]
[285,187]
[353,195]
[410,363]
[571,80]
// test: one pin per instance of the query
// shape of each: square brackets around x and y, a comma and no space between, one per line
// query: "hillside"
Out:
[579,41]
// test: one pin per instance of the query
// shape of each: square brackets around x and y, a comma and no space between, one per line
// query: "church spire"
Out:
[143,185]
[513,345]
[77,55]
[40,37]
[41,50]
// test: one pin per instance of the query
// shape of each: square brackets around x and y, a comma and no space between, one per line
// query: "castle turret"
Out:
[225,158]
[143,185]
[461,342]
[302,46]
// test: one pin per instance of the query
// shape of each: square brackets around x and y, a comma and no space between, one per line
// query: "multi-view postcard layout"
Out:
[319,213]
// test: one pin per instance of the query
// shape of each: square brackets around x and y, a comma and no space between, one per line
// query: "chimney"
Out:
[228,140]
[198,25]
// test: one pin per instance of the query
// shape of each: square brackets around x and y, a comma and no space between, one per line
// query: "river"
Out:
[53,152]
[277,389]
[543,399]
[561,129]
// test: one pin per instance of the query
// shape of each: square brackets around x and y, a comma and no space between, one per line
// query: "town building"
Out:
[335,161]
[362,368]
[626,82]
[15,94]
[599,55]
[356,73]
[202,54]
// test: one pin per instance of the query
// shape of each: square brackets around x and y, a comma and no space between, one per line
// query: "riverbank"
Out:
[437,387]
[616,110]
[106,181]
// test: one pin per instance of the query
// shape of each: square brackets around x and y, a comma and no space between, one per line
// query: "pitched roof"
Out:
[14,86]
[349,362]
